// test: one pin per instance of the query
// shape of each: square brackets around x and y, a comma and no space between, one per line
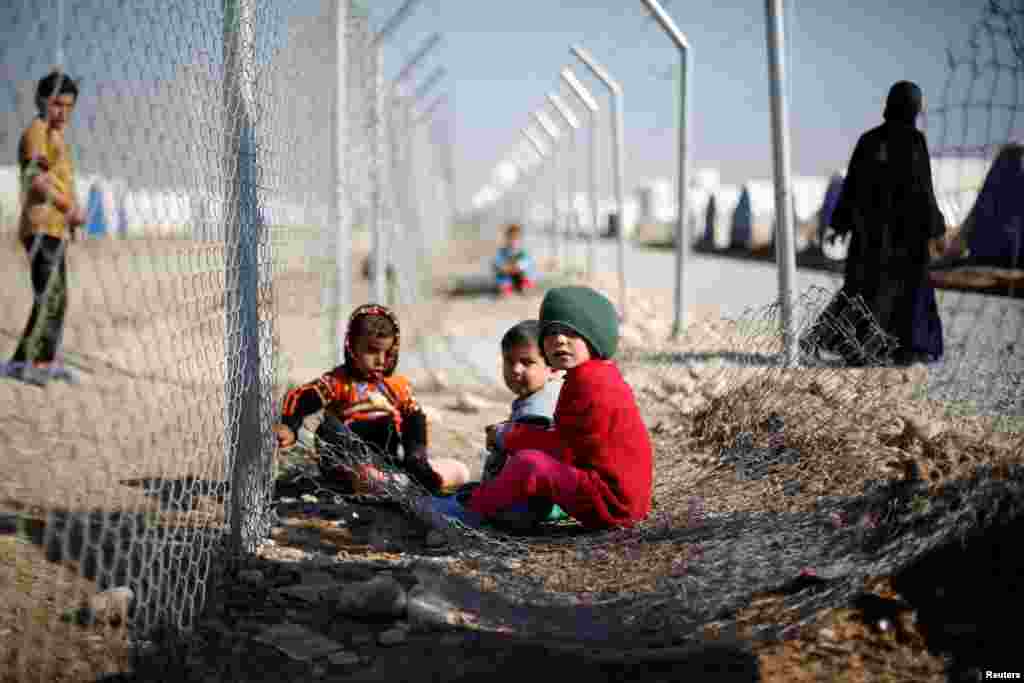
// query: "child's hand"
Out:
[77,217]
[285,436]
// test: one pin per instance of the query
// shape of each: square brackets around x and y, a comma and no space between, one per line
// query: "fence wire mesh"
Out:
[788,488]
[797,484]
[136,431]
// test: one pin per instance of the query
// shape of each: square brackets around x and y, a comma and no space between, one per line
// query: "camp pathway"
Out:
[983,367]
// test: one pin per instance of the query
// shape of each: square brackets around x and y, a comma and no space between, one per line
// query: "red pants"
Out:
[528,474]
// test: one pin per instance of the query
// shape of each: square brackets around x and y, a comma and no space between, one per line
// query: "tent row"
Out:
[743,216]
[114,209]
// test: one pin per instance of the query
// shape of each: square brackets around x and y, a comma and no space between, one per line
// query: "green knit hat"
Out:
[586,311]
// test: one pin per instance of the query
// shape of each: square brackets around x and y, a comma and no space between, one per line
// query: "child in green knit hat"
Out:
[596,462]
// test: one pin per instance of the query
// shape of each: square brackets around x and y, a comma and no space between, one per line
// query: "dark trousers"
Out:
[348,445]
[45,327]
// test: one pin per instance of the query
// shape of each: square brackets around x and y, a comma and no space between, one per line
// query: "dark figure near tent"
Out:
[888,204]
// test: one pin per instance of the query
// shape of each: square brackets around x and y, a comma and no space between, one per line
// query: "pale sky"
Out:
[502,58]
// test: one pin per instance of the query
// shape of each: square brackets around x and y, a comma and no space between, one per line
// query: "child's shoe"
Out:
[526,284]
[505,289]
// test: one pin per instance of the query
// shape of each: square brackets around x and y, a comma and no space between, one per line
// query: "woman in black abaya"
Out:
[888,204]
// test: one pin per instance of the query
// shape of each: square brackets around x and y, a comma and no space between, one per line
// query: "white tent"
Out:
[657,207]
[140,213]
[721,204]
[607,206]
[10,202]
[656,201]
[808,196]
[957,182]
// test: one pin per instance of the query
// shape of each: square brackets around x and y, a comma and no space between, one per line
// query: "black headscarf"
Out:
[904,103]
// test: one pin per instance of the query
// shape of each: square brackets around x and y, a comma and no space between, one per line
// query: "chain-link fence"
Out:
[781,492]
[216,260]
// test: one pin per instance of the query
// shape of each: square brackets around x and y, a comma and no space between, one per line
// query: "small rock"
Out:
[436,539]
[393,636]
[828,633]
[250,577]
[344,658]
[381,596]
[307,498]
[468,403]
[426,610]
[916,427]
[362,638]
[317,577]
[789,456]
[438,381]
[452,639]
[684,384]
[112,605]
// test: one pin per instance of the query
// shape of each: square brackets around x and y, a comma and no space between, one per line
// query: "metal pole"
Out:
[785,251]
[377,170]
[552,132]
[244,440]
[591,104]
[339,207]
[682,182]
[377,167]
[570,118]
[617,163]
[539,148]
[431,80]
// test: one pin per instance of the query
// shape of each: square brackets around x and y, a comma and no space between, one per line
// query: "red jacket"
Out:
[598,430]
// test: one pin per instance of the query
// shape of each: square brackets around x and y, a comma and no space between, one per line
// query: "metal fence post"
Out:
[244,233]
[377,214]
[570,118]
[339,207]
[682,182]
[378,181]
[785,250]
[552,131]
[591,105]
[618,166]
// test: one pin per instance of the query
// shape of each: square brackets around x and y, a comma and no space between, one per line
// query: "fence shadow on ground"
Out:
[958,590]
[117,549]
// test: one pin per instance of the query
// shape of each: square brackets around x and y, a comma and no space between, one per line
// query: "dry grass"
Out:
[151,406]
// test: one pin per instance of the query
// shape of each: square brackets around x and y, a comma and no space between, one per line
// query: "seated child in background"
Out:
[596,462]
[366,404]
[513,267]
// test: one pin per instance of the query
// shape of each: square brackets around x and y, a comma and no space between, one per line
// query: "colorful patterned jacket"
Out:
[383,411]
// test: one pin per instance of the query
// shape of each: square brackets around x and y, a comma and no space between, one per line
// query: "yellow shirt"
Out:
[38,213]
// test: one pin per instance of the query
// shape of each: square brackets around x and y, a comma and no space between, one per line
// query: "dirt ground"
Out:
[142,412]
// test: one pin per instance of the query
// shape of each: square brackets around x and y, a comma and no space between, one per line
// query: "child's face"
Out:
[524,369]
[564,348]
[58,111]
[371,354]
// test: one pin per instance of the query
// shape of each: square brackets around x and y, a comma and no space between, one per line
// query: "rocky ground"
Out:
[356,589]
